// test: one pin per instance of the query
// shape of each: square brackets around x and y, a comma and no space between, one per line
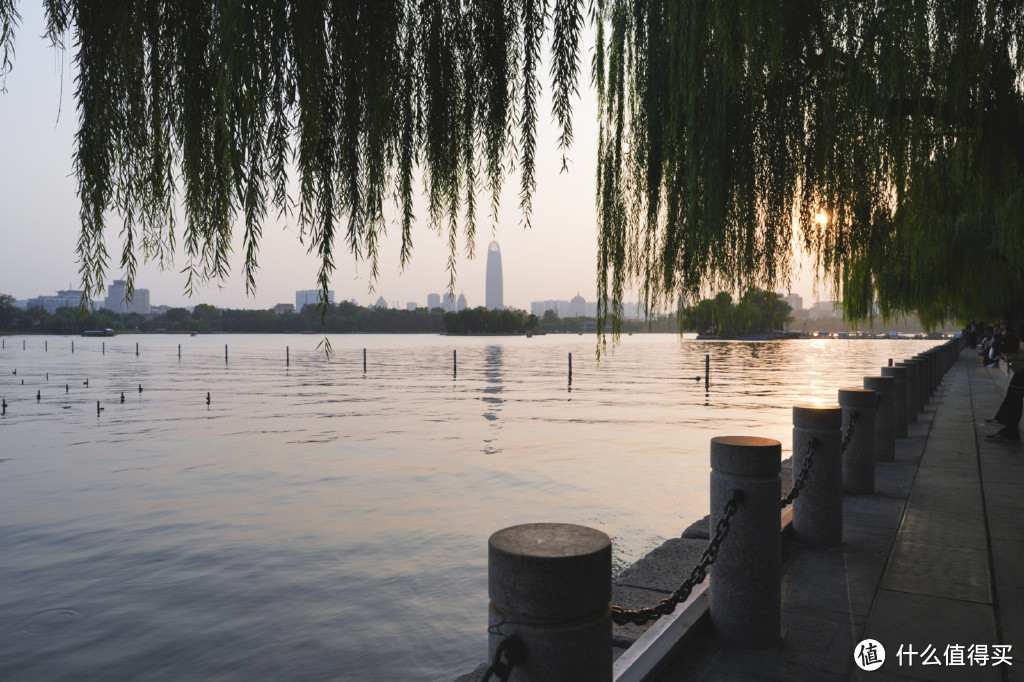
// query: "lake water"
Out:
[313,522]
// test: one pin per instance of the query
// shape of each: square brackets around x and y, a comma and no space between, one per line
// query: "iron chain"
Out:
[514,652]
[801,479]
[697,575]
[849,431]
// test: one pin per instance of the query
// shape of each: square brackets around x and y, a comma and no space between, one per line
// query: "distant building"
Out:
[381,303]
[433,301]
[69,298]
[495,296]
[461,303]
[795,301]
[827,308]
[283,308]
[411,305]
[311,297]
[159,309]
[577,306]
[448,303]
[116,302]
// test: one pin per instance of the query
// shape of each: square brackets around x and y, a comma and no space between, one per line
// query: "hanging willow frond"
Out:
[211,106]
[722,122]
[725,126]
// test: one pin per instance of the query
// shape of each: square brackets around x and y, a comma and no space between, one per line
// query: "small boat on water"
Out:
[99,332]
[192,334]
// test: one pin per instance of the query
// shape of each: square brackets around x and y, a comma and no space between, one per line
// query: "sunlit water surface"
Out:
[313,522]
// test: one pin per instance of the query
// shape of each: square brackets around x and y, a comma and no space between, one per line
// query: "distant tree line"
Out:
[550,322]
[756,312]
[342,318]
[480,320]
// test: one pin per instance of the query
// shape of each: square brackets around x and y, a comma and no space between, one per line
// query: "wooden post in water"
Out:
[890,362]
[179,351]
[455,363]
[570,369]
[136,349]
[104,347]
[23,344]
[364,361]
[707,371]
[72,347]
[46,346]
[225,353]
[287,356]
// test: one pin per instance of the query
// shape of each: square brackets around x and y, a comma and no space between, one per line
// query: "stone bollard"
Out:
[818,508]
[550,586]
[859,456]
[921,380]
[911,390]
[885,434]
[746,593]
[899,404]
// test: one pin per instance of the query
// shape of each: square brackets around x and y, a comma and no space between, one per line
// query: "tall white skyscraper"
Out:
[495,296]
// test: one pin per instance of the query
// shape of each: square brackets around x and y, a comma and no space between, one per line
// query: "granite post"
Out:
[746,593]
[550,586]
[885,434]
[818,508]
[859,456]
[911,390]
[899,384]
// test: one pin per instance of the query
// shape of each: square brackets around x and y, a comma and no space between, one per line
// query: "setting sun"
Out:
[821,220]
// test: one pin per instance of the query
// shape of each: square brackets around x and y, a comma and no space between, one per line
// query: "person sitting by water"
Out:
[986,341]
[1007,341]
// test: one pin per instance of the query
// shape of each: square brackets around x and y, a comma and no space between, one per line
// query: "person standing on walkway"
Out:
[1010,410]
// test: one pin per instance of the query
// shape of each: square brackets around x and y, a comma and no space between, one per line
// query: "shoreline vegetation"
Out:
[757,314]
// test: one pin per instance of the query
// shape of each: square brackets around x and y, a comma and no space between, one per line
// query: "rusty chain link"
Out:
[697,575]
[801,479]
[514,651]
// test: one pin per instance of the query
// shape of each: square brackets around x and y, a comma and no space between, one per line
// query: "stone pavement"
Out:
[934,558]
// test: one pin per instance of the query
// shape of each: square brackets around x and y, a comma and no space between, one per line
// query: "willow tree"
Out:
[725,127]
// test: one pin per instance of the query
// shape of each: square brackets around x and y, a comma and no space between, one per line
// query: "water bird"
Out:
[207,397]
[122,396]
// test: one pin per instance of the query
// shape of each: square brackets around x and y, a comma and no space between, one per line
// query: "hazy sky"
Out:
[39,214]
